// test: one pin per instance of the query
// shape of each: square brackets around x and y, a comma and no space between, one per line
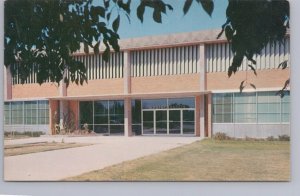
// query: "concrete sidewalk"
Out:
[105,151]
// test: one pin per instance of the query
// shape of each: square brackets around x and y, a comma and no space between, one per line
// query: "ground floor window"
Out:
[149,116]
[104,117]
[26,112]
[254,107]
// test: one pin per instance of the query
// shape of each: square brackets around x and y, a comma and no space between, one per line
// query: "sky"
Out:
[174,21]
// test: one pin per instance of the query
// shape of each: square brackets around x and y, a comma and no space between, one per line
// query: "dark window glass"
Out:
[117,129]
[136,111]
[148,123]
[102,129]
[182,103]
[86,112]
[154,103]
[161,122]
[174,122]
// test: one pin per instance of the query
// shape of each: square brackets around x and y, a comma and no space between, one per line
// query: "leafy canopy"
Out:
[42,35]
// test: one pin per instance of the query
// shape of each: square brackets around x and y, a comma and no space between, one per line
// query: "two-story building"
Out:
[174,85]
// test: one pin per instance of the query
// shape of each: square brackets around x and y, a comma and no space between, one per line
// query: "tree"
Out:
[42,35]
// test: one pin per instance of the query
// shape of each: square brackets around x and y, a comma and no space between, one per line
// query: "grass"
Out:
[13,150]
[206,160]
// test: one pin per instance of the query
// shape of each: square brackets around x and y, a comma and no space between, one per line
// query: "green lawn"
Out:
[206,160]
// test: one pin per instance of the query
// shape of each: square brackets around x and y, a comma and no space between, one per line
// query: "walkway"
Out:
[105,151]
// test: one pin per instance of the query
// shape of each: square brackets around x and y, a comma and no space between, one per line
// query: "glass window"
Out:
[30,112]
[181,103]
[86,113]
[268,107]
[154,103]
[101,112]
[43,112]
[245,107]
[16,112]
[136,111]
[7,113]
[222,107]
[116,112]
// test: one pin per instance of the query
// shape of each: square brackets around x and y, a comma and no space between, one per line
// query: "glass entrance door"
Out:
[161,122]
[169,122]
[174,122]
[148,122]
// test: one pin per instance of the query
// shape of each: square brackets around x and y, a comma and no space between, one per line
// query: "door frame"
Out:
[168,122]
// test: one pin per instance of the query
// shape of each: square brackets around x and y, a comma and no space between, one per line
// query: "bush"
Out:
[26,133]
[221,136]
[271,138]
[283,138]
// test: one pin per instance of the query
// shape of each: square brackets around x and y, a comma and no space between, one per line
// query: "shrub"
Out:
[283,138]
[221,136]
[26,133]
[271,138]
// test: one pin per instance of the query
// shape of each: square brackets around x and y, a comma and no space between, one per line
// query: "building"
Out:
[173,84]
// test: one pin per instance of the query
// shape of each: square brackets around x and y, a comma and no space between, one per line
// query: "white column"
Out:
[202,67]
[202,70]
[127,90]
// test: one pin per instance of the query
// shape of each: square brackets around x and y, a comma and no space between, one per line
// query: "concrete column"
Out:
[7,83]
[202,67]
[127,73]
[62,111]
[202,116]
[201,102]
[209,115]
[127,90]
[127,117]
[197,116]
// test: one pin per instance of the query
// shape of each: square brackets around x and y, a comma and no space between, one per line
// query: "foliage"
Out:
[68,122]
[13,134]
[251,25]
[42,35]
[221,136]
[284,138]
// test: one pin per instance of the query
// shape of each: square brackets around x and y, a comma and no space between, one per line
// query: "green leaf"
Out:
[86,48]
[106,3]
[140,11]
[253,69]
[96,48]
[207,5]
[157,16]
[108,16]
[116,24]
[242,86]
[283,64]
[228,33]
[187,6]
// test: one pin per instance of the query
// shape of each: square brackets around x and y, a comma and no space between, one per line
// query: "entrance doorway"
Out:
[168,121]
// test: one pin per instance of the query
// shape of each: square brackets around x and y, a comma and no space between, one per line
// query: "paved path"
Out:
[105,151]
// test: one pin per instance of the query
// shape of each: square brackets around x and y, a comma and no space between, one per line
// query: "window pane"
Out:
[268,118]
[101,107]
[136,111]
[188,128]
[86,112]
[154,103]
[182,103]
[245,118]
